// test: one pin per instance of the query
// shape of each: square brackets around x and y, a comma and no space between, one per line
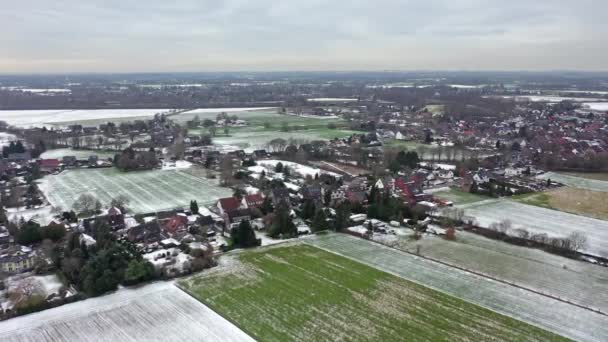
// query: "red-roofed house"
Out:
[229,204]
[49,165]
[175,224]
[253,201]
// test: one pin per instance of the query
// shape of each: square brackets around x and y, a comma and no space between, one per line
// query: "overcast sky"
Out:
[215,35]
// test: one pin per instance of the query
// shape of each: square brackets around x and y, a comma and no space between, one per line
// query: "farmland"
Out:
[79,154]
[559,317]
[147,191]
[302,293]
[577,182]
[459,197]
[29,118]
[150,313]
[541,220]
[601,176]
[571,200]
[579,282]
[265,125]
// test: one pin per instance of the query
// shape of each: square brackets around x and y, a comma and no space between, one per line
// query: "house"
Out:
[481,177]
[69,161]
[49,165]
[17,262]
[280,196]
[260,154]
[20,157]
[253,201]
[115,218]
[229,204]
[93,160]
[148,232]
[175,224]
[313,193]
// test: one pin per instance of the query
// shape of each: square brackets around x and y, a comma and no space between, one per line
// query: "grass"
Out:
[267,125]
[571,200]
[459,197]
[303,293]
[601,176]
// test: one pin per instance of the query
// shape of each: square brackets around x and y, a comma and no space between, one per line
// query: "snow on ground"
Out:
[576,182]
[33,118]
[176,165]
[41,285]
[561,318]
[147,191]
[224,110]
[6,138]
[551,99]
[43,215]
[155,312]
[603,106]
[79,154]
[332,99]
[168,257]
[300,169]
[540,220]
[251,190]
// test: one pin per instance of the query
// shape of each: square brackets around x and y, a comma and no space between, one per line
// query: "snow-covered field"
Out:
[32,118]
[79,154]
[578,281]
[551,99]
[300,169]
[148,191]
[596,105]
[576,182]
[156,312]
[540,220]
[550,314]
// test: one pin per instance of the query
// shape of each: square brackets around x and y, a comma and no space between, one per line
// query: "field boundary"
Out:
[483,275]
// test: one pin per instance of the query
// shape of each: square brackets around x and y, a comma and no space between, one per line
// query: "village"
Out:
[381,183]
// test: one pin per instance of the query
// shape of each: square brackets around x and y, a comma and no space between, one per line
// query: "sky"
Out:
[58,36]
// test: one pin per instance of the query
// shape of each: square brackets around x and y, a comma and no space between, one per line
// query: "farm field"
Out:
[265,125]
[150,313]
[601,176]
[459,197]
[58,117]
[561,318]
[579,282]
[303,293]
[147,191]
[577,182]
[79,154]
[571,200]
[541,220]
[253,140]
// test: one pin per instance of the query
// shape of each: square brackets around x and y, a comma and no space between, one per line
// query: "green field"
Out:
[460,197]
[601,176]
[266,125]
[306,294]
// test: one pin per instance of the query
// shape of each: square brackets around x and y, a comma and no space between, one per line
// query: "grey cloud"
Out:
[195,35]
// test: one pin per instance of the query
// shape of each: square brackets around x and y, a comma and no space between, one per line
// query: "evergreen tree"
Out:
[243,236]
[343,213]
[282,225]
[279,167]
[308,209]
[319,223]
[194,207]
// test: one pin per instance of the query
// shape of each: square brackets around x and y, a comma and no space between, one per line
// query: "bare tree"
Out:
[577,241]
